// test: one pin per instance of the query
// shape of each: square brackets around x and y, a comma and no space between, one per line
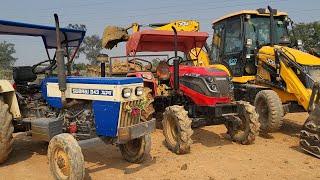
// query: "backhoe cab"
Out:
[268,69]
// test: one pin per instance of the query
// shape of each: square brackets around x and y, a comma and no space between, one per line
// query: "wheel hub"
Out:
[62,163]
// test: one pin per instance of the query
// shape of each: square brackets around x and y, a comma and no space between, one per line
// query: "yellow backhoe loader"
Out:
[269,70]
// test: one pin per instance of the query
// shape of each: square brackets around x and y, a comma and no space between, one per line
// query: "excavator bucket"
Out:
[112,35]
[310,133]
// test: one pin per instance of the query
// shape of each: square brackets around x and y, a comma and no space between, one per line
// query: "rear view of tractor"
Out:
[268,69]
[186,96]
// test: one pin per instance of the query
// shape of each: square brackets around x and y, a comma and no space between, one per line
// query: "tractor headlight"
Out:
[214,88]
[126,92]
[231,87]
[209,79]
[139,91]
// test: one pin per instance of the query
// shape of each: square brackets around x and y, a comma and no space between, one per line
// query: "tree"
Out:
[6,55]
[91,48]
[81,27]
[309,33]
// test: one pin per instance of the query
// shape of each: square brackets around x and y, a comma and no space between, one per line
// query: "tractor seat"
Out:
[23,74]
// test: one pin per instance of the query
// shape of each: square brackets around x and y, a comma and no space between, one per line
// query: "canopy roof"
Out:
[158,40]
[252,12]
[69,37]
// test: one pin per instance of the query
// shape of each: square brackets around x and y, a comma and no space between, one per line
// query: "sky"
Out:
[96,14]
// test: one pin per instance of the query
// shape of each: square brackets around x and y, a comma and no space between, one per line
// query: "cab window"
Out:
[217,41]
[233,41]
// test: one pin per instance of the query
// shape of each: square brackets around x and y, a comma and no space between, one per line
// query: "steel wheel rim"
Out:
[61,163]
[173,131]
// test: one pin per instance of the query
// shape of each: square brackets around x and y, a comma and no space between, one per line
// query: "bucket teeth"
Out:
[309,136]
[311,126]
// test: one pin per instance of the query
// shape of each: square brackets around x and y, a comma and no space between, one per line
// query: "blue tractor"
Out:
[63,109]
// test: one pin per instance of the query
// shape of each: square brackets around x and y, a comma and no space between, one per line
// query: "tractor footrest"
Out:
[45,128]
[126,134]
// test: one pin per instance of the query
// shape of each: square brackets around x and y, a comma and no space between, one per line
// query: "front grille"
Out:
[224,87]
[126,118]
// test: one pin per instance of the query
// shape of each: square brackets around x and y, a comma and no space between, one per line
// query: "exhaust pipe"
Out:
[175,61]
[271,26]
[60,62]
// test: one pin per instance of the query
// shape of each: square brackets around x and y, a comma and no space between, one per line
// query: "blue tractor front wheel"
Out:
[65,158]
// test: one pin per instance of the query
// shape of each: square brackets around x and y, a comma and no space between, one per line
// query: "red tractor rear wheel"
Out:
[244,128]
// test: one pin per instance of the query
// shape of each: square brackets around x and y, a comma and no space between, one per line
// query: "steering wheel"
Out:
[179,57]
[37,70]
[139,64]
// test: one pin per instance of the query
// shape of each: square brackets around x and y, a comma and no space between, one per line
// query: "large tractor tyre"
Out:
[310,134]
[65,158]
[244,128]
[6,130]
[177,129]
[136,150]
[269,107]
[148,110]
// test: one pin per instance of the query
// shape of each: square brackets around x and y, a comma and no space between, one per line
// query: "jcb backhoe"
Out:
[269,70]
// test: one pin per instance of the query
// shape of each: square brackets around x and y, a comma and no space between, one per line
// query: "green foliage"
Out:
[309,33]
[91,48]
[76,27]
[80,66]
[6,55]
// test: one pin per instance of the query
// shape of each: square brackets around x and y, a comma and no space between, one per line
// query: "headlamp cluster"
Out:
[127,92]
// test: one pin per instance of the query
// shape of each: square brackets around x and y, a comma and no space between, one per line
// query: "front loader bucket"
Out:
[112,35]
[310,133]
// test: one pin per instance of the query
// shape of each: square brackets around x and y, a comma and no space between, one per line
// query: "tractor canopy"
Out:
[159,40]
[69,37]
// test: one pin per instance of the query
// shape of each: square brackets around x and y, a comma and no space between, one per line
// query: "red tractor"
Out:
[186,96]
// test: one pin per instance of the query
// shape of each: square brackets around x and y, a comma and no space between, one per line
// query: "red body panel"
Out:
[198,98]
[202,100]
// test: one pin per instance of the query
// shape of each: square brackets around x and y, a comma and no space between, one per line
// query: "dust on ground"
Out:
[213,156]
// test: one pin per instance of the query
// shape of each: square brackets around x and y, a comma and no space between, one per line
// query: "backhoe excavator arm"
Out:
[113,35]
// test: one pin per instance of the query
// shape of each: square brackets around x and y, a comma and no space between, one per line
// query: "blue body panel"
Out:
[54,102]
[98,80]
[106,115]
[71,37]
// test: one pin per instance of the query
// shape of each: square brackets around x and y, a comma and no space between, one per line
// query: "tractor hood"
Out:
[203,71]
[297,55]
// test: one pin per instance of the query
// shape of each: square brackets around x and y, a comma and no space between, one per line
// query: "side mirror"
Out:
[247,17]
[299,42]
[249,42]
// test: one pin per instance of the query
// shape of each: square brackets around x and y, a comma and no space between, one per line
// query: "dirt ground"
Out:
[213,156]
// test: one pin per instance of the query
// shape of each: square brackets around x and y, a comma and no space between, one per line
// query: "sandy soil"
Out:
[213,156]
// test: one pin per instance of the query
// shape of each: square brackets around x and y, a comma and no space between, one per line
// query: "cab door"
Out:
[233,46]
